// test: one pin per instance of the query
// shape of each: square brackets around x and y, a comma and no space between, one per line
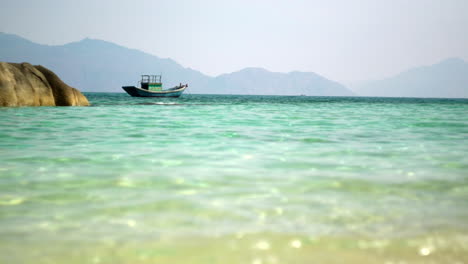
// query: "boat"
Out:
[151,86]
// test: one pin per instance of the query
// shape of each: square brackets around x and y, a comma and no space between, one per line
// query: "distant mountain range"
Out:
[448,78]
[261,81]
[99,66]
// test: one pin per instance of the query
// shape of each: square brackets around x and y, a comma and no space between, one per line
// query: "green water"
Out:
[235,179]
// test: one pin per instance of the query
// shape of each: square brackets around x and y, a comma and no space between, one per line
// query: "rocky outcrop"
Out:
[23,84]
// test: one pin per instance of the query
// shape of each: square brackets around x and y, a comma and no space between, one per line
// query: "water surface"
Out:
[235,179]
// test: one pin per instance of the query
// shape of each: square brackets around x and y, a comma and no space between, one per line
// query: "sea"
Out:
[235,179]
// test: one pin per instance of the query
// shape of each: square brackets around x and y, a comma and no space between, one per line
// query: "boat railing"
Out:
[151,78]
[150,82]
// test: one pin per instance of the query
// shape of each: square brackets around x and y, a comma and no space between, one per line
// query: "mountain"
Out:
[261,81]
[100,66]
[96,65]
[448,78]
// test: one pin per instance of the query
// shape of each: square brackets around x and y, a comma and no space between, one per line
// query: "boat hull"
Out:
[138,92]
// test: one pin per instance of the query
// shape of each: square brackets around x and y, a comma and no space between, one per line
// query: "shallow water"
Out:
[235,179]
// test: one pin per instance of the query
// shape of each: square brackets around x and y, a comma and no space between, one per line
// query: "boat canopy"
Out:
[151,82]
[151,78]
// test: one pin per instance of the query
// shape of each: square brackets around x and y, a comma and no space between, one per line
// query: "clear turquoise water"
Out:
[143,169]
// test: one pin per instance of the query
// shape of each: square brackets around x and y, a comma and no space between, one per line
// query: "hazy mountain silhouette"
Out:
[96,65]
[261,81]
[100,66]
[448,78]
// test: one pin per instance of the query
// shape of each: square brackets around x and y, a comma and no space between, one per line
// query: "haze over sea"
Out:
[235,179]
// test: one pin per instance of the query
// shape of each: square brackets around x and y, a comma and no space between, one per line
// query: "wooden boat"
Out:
[151,86]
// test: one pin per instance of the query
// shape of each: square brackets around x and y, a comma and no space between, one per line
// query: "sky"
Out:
[343,40]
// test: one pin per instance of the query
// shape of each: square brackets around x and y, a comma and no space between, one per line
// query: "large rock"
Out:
[22,84]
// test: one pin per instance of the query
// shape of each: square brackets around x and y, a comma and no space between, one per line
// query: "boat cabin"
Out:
[151,82]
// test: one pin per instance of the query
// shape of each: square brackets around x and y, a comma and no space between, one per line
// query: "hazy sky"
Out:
[344,40]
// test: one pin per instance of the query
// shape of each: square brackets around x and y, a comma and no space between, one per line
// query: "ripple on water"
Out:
[309,166]
[11,201]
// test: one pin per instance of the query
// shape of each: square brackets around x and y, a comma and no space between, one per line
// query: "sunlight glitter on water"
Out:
[376,172]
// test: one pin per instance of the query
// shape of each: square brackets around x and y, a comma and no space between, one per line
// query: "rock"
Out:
[22,84]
